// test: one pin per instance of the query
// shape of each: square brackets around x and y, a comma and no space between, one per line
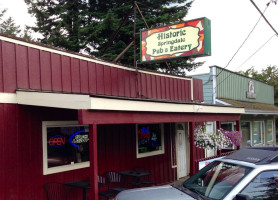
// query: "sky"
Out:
[231,23]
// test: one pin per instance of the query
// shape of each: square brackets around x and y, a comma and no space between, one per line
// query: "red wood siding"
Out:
[30,68]
[116,151]
[198,94]
[21,166]
[21,163]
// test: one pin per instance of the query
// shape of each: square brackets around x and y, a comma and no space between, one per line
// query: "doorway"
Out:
[182,144]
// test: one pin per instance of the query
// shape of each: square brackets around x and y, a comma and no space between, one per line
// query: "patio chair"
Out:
[114,181]
[103,190]
[56,191]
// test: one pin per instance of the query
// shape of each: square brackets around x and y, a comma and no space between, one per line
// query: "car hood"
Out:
[154,193]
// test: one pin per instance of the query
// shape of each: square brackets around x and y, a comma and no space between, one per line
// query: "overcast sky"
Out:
[231,22]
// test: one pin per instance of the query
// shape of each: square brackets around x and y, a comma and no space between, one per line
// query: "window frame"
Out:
[153,153]
[250,131]
[64,168]
[233,124]
[272,131]
[261,132]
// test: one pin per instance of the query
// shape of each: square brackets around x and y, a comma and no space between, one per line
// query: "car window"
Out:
[217,179]
[264,186]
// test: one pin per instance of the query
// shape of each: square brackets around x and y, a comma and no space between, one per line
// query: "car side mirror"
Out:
[242,197]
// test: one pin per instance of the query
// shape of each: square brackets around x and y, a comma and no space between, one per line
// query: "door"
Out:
[181,150]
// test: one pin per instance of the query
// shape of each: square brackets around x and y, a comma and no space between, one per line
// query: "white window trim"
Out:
[251,128]
[269,141]
[63,168]
[261,142]
[153,153]
[233,123]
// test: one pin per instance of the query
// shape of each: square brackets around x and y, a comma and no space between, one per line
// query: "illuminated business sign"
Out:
[78,138]
[57,141]
[186,39]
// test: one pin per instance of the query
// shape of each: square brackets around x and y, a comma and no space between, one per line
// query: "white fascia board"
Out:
[56,100]
[77,101]
[8,98]
[98,103]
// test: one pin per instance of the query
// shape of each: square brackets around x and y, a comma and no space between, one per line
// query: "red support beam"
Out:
[132,117]
[93,162]
[218,125]
[192,149]
[237,125]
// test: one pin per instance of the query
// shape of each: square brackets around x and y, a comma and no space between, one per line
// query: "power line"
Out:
[239,49]
[242,43]
[264,16]
[256,51]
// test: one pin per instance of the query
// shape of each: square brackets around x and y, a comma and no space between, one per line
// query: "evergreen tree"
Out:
[8,25]
[88,25]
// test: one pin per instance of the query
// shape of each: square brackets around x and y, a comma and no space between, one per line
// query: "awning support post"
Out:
[93,162]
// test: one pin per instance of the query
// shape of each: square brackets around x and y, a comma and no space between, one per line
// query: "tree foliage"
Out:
[8,25]
[268,75]
[88,25]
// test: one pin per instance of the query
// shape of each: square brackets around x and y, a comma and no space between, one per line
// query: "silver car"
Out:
[250,173]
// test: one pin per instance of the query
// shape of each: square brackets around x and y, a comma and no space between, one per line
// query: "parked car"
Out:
[250,173]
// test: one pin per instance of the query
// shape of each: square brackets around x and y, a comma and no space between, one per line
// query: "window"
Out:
[65,146]
[264,186]
[149,140]
[257,133]
[228,126]
[269,131]
[246,130]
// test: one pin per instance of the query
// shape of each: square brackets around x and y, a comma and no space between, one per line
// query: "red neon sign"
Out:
[57,141]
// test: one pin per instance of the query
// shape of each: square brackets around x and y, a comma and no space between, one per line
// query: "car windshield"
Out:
[217,179]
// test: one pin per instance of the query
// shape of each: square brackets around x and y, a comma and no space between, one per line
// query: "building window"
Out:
[269,131]
[257,138]
[228,126]
[149,140]
[246,133]
[65,146]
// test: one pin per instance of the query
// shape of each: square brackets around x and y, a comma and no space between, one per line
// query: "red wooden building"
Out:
[52,101]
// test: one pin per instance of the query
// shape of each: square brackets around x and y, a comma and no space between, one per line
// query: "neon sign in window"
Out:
[149,138]
[67,145]
[57,141]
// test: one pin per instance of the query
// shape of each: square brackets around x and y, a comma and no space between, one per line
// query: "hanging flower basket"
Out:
[213,141]
[235,136]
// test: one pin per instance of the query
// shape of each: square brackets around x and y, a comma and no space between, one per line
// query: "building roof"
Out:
[253,107]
